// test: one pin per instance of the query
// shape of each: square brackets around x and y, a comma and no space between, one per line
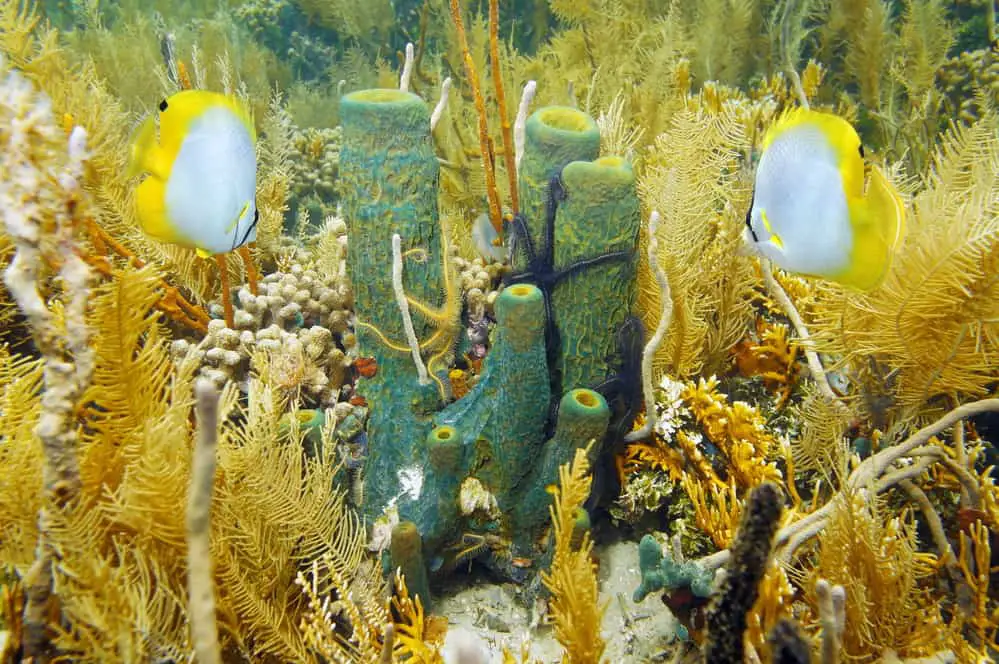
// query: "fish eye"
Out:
[163,105]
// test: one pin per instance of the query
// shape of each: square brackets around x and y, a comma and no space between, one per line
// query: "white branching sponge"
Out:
[40,205]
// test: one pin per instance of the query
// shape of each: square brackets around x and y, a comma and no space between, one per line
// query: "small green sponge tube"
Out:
[406,555]
[554,136]
[502,418]
[583,416]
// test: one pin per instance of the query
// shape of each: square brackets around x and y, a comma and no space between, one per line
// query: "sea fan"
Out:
[20,458]
[121,577]
[572,579]
[692,180]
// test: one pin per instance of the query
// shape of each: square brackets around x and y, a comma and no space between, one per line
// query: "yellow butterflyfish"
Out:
[487,241]
[812,211]
[200,191]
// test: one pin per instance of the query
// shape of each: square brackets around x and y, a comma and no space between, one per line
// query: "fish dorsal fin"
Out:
[240,108]
[145,155]
[179,111]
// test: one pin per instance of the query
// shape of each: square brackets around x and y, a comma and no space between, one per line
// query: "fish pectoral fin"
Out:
[775,239]
[235,223]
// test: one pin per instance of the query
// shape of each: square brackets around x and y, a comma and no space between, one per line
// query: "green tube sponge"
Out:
[600,217]
[444,449]
[554,136]
[582,416]
[406,555]
[388,180]
[502,418]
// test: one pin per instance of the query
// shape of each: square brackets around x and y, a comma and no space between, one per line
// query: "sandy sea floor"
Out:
[488,616]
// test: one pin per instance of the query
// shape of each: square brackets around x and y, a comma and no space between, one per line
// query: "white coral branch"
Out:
[200,579]
[435,117]
[520,123]
[403,303]
[407,68]
[40,195]
[665,315]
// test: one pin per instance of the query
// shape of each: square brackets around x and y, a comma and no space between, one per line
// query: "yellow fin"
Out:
[145,155]
[202,253]
[878,222]
[150,207]
[178,111]
[885,199]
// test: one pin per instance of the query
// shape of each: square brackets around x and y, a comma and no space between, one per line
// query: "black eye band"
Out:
[256,218]
[861,151]
[749,218]
[163,105]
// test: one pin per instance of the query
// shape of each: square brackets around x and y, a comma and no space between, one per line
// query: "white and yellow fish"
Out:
[201,188]
[487,241]
[811,213]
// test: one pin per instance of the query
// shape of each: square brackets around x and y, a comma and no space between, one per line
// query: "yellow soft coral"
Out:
[737,430]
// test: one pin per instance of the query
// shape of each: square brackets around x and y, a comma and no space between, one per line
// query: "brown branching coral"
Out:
[740,585]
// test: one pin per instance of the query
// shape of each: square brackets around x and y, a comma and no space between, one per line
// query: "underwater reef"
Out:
[505,308]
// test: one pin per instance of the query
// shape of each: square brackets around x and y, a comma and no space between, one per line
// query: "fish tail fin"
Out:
[142,146]
[150,207]
[878,222]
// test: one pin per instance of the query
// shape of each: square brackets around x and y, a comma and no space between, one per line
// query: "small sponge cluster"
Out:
[479,281]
